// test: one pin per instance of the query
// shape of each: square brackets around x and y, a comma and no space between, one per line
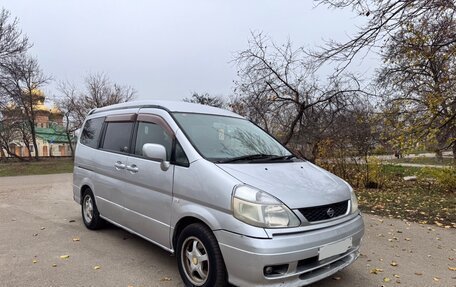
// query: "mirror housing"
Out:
[156,152]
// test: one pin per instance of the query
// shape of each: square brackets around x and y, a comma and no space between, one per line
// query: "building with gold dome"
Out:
[50,133]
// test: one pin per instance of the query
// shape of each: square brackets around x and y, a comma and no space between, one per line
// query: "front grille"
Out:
[324,212]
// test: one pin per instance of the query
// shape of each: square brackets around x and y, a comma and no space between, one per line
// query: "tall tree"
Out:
[419,77]
[20,81]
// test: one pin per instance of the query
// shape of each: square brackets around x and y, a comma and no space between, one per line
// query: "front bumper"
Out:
[296,254]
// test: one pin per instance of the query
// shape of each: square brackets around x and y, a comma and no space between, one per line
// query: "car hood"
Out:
[297,184]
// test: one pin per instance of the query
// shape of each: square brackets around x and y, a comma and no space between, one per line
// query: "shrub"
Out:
[444,177]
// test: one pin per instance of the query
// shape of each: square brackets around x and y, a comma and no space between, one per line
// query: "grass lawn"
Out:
[421,201]
[424,160]
[44,166]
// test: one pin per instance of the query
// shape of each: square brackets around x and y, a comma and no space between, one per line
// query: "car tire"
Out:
[199,258]
[90,215]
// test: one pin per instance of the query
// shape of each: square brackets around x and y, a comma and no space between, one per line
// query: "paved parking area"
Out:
[39,223]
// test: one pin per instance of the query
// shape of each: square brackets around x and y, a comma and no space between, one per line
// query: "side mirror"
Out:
[156,152]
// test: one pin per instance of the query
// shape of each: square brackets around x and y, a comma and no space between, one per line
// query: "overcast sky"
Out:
[165,49]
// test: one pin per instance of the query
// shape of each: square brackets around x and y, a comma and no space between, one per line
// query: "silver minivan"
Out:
[211,187]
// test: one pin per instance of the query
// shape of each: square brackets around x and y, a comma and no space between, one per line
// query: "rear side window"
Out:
[91,133]
[117,136]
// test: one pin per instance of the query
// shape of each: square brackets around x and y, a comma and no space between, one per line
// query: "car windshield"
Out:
[225,139]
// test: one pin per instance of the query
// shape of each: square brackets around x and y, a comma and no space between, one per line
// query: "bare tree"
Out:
[99,92]
[278,89]
[385,18]
[206,99]
[73,115]
[20,79]
[19,76]
[12,42]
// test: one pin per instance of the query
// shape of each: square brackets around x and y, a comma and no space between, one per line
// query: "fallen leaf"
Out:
[43,228]
[76,239]
[376,271]
[165,279]
[437,279]
[64,256]
[72,220]
[452,268]
[337,278]
[96,267]
[34,261]
[54,265]
[386,279]
[418,273]
[396,276]
[393,263]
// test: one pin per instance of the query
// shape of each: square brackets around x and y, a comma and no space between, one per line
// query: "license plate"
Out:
[334,248]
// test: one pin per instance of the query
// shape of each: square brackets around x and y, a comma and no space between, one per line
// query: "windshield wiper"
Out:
[246,158]
[283,157]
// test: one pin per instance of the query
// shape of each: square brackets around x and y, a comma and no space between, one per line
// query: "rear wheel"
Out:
[199,258]
[90,214]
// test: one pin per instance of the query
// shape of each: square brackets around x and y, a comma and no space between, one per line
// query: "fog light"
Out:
[275,270]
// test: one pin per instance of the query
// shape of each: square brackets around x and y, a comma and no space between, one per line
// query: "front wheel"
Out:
[199,258]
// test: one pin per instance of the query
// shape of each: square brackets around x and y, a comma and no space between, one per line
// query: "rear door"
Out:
[148,194]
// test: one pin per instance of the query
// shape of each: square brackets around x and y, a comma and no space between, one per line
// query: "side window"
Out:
[117,136]
[180,157]
[91,132]
[152,133]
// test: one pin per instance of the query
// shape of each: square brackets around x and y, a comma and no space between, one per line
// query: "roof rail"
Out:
[122,107]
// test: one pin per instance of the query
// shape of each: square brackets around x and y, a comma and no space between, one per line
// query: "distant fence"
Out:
[26,159]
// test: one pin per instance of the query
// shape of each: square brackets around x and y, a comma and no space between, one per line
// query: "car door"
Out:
[148,195]
[111,164]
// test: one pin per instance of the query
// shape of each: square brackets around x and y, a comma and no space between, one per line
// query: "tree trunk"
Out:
[293,124]
[454,152]
[32,131]
[68,135]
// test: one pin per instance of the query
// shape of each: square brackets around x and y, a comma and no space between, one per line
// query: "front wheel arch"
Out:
[199,258]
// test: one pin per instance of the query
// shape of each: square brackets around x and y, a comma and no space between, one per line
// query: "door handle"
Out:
[119,165]
[132,168]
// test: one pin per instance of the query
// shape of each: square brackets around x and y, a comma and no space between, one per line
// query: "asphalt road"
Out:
[39,222]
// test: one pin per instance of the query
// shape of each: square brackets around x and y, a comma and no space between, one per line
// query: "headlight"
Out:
[258,208]
[354,201]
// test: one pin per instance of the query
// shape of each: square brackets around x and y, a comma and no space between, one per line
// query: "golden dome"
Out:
[36,93]
[41,107]
[55,110]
